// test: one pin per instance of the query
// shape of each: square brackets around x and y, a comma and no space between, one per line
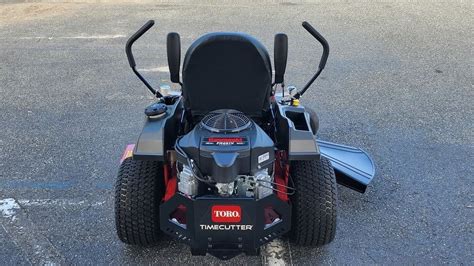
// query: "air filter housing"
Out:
[226,121]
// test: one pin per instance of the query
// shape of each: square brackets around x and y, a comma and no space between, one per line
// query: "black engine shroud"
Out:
[224,155]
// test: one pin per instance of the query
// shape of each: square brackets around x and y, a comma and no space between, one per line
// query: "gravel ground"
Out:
[398,84]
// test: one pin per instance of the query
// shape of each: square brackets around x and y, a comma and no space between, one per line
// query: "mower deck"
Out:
[353,166]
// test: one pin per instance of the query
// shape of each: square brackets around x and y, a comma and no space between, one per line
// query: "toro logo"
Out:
[226,214]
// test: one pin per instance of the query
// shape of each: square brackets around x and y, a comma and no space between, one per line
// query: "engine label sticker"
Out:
[225,141]
[262,158]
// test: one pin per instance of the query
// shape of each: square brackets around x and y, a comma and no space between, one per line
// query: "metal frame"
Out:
[229,243]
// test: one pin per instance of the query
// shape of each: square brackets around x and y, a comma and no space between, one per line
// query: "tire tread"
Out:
[314,203]
[138,192]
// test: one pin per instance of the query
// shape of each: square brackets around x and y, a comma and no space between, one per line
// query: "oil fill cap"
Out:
[156,109]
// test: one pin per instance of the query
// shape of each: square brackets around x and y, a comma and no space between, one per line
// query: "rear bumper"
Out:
[189,220]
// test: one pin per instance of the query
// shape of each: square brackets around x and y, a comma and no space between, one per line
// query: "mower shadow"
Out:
[169,252]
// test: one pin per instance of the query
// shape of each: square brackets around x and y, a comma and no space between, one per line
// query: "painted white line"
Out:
[75,37]
[95,37]
[59,202]
[26,235]
[8,208]
[275,253]
[163,69]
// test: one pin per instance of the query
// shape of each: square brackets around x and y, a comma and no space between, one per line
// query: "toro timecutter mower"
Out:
[232,162]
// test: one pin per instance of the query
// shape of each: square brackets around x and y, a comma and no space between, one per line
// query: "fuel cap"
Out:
[156,109]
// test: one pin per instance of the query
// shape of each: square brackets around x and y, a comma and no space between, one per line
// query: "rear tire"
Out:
[138,193]
[314,203]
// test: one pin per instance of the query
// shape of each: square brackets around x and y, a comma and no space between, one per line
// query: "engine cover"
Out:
[226,144]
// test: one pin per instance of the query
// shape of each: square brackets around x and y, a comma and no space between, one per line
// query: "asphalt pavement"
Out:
[398,83]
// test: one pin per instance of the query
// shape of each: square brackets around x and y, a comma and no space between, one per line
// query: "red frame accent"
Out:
[282,172]
[180,214]
[270,215]
[127,153]
[169,173]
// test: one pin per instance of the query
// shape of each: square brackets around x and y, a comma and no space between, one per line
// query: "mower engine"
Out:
[226,153]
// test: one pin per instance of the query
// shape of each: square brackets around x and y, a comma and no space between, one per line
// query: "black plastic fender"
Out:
[159,134]
[295,134]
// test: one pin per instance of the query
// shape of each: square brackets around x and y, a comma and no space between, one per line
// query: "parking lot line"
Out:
[58,202]
[26,235]
[163,69]
[276,253]
[75,37]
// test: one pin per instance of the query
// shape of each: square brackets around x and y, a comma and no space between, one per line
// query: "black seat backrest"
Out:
[227,71]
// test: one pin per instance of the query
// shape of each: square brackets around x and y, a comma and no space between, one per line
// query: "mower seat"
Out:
[227,71]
